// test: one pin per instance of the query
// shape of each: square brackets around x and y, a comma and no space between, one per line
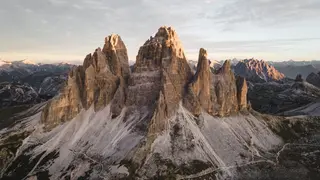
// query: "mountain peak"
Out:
[164,50]
[226,67]
[257,71]
[219,94]
[166,33]
[203,62]
[161,79]
[94,84]
[27,61]
[111,42]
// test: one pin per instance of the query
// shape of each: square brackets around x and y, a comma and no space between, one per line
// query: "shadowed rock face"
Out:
[299,78]
[277,98]
[314,79]
[160,80]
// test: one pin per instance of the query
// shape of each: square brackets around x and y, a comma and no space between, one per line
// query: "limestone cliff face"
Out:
[160,76]
[225,90]
[95,83]
[161,79]
[199,91]
[117,56]
[217,93]
[242,90]
[67,104]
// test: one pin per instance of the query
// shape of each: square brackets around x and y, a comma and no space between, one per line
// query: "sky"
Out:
[68,30]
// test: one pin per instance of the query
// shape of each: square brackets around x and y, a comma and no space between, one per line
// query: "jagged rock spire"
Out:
[242,90]
[116,52]
[217,94]
[203,67]
[199,89]
[161,79]
[95,83]
[162,64]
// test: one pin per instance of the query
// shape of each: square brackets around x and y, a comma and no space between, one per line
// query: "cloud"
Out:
[57,2]
[79,26]
[265,12]
[273,45]
[28,10]
[43,21]
[77,6]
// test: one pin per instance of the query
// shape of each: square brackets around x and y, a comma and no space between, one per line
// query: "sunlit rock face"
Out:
[218,93]
[160,79]
[257,71]
[242,90]
[160,76]
[95,83]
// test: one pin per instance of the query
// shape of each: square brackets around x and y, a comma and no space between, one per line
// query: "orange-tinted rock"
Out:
[199,93]
[103,74]
[216,93]
[160,81]
[117,56]
[68,103]
[160,76]
[242,90]
[257,71]
[225,91]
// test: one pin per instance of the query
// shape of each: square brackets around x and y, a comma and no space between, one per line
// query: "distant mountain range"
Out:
[289,68]
[292,68]
[294,63]
[25,82]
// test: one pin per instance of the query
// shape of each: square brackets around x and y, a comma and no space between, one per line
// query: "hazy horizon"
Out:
[68,30]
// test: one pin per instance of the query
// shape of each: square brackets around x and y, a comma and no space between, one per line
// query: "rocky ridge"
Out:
[96,82]
[161,78]
[32,73]
[257,71]
[222,96]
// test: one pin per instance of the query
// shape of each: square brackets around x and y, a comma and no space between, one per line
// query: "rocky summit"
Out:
[156,120]
[160,80]
[218,93]
[257,71]
[103,74]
